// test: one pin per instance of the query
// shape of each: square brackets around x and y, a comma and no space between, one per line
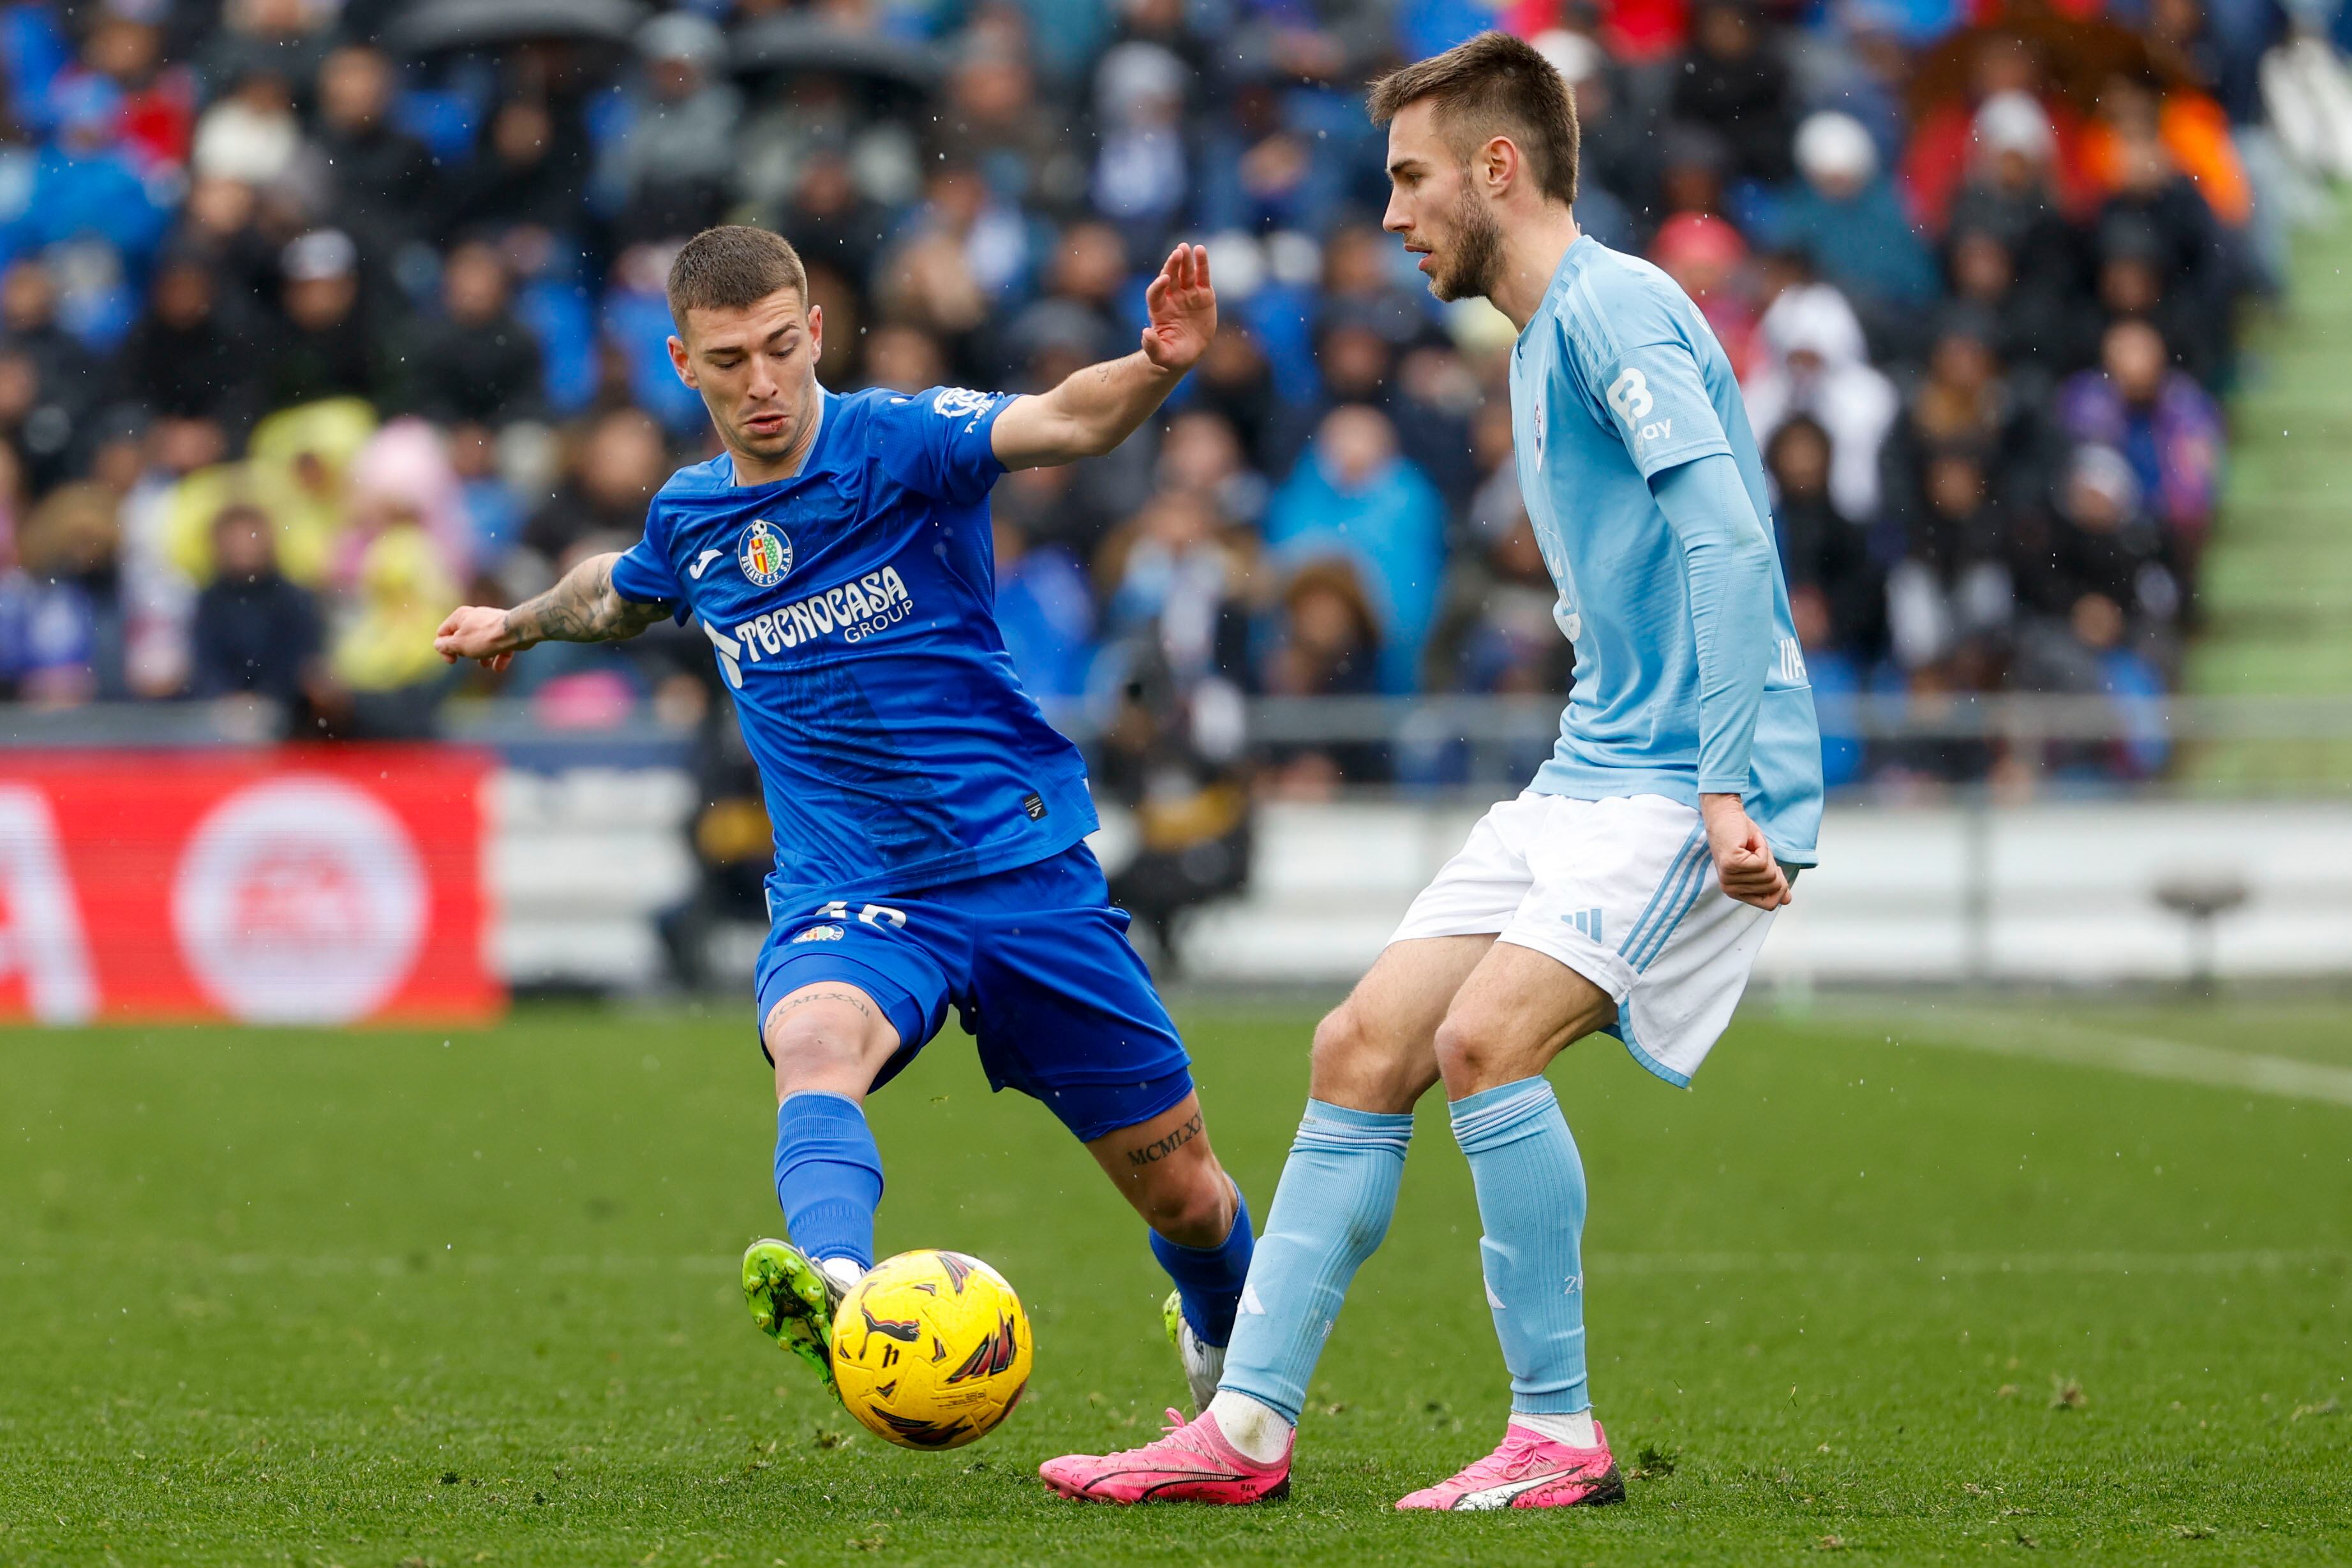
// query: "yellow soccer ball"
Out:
[930,1350]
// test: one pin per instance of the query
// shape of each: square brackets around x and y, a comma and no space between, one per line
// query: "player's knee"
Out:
[1346,1058]
[814,1049]
[1339,1041]
[1469,1055]
[1195,1210]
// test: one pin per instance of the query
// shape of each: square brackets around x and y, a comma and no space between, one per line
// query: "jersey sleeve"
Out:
[938,443]
[1654,396]
[643,574]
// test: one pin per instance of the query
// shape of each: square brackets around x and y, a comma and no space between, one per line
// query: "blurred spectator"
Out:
[382,652]
[1813,361]
[384,182]
[1325,643]
[2095,574]
[671,169]
[1964,400]
[50,383]
[1173,578]
[2164,425]
[618,463]
[251,135]
[1494,630]
[255,632]
[327,346]
[1845,220]
[1706,257]
[125,46]
[1200,453]
[190,356]
[477,361]
[86,187]
[1733,81]
[1837,599]
[2104,606]
[1835,593]
[1352,495]
[1942,144]
[1950,600]
[831,221]
[529,173]
[69,547]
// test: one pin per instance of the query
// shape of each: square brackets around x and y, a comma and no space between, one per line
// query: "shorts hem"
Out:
[1644,1059]
[1178,1084]
[1595,963]
[898,1004]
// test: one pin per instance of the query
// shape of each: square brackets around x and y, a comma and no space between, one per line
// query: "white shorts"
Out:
[1622,891]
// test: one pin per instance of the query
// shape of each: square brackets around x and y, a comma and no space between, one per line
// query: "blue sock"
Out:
[1532,1204]
[1330,1212]
[828,1176]
[1209,1279]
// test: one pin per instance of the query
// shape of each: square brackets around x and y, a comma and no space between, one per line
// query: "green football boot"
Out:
[793,1302]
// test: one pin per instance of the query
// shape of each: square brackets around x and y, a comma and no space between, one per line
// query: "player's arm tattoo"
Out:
[581,608]
[1160,1148]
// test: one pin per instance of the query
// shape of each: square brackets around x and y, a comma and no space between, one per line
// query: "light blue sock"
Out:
[1330,1211]
[828,1175]
[1531,1205]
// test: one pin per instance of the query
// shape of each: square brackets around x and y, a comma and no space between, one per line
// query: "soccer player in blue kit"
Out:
[1626,891]
[929,825]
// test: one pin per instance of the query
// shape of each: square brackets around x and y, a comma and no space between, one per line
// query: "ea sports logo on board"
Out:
[299,900]
[765,554]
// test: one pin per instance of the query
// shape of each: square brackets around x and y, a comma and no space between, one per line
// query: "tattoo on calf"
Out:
[1161,1148]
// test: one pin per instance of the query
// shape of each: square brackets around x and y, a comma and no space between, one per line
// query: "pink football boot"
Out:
[1190,1463]
[1529,1471]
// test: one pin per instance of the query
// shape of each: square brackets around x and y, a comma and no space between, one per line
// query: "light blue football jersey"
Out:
[1617,379]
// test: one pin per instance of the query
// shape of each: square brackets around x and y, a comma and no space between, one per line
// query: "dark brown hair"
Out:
[1493,85]
[731,267]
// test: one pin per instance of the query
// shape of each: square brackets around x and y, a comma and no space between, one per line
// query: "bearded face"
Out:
[1466,263]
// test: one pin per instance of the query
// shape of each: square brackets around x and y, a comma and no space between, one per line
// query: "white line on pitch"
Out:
[2145,1056]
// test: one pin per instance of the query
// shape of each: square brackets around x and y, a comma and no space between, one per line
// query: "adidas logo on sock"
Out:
[1250,1303]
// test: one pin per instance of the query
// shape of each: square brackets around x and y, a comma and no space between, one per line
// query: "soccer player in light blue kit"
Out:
[1626,892]
[931,826]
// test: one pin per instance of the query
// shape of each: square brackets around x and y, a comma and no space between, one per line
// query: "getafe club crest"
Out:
[765,553]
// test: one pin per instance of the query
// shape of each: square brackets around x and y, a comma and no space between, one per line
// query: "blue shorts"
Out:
[1035,960]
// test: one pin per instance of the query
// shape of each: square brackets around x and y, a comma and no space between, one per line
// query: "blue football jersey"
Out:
[851,609]
[1617,379]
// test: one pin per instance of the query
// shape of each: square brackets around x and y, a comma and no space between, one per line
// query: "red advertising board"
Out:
[300,884]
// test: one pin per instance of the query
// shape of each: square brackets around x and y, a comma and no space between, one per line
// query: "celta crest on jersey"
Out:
[765,554]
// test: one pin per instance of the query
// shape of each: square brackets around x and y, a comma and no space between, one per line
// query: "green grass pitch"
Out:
[369,1298]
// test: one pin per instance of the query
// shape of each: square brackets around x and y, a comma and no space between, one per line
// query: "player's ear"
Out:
[682,362]
[816,333]
[1499,161]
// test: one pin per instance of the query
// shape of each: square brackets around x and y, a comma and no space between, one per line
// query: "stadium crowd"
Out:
[309,329]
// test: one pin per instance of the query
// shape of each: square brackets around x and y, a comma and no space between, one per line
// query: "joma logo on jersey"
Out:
[765,554]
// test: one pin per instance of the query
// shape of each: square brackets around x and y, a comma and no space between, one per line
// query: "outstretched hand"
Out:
[1182,306]
[473,631]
